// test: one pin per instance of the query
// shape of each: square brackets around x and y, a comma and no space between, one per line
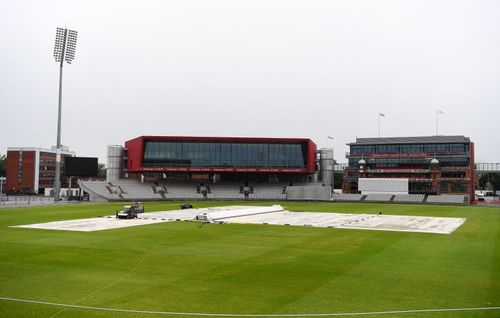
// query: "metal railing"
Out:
[488,167]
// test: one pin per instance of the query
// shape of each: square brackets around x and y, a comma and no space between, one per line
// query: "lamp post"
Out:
[64,50]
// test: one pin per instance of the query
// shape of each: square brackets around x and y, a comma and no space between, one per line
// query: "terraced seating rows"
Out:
[268,192]
[100,189]
[135,190]
[448,199]
[409,198]
[347,197]
[379,197]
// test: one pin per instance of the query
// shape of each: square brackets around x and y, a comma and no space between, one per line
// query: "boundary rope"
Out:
[347,314]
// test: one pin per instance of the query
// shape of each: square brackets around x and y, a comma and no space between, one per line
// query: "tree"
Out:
[3,165]
[338,178]
[101,170]
[492,178]
[483,180]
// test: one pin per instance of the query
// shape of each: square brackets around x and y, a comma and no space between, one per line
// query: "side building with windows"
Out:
[31,170]
[431,164]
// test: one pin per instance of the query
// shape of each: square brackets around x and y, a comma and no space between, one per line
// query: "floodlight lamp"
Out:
[65,45]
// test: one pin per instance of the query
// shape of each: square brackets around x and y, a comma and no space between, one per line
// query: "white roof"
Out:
[64,152]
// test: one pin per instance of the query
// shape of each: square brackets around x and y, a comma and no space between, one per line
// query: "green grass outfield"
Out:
[249,269]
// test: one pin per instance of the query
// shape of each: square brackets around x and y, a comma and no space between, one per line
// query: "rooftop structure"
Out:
[411,140]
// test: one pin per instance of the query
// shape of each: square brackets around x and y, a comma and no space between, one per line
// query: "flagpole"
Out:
[437,121]
[378,125]
[328,138]
[379,115]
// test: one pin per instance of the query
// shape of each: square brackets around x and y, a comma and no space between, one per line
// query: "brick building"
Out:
[32,170]
[432,164]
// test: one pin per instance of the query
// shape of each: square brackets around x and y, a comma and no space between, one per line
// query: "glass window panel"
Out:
[203,154]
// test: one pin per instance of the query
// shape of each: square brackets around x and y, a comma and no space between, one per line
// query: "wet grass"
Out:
[246,269]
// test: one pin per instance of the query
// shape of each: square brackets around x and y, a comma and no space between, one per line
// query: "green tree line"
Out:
[3,165]
[490,178]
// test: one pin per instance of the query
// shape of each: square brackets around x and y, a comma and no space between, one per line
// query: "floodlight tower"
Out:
[64,50]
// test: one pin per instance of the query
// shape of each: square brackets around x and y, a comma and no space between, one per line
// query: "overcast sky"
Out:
[273,68]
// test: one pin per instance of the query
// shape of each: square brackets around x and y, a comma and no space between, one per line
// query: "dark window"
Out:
[224,154]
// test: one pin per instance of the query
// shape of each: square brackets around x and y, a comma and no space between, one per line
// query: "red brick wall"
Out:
[26,182]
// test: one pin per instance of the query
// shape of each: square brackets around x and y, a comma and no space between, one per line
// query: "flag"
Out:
[381,115]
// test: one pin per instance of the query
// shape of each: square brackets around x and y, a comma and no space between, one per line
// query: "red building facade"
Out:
[222,156]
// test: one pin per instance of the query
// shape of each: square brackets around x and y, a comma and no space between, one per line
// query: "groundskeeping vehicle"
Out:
[130,211]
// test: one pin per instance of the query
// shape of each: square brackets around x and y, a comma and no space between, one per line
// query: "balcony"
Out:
[407,155]
[456,179]
[419,180]
[455,168]
[396,170]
